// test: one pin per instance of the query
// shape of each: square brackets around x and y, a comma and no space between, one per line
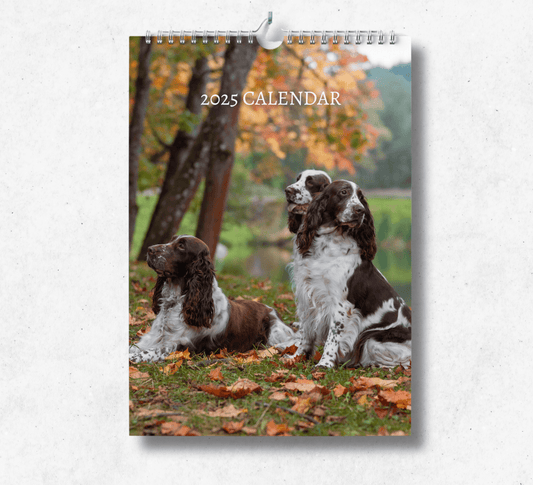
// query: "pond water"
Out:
[271,262]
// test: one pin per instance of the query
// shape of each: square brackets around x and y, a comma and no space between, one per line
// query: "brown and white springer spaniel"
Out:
[194,313]
[343,301]
[299,195]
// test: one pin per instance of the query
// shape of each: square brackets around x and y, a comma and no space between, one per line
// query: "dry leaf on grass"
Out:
[318,375]
[277,376]
[401,399]
[368,382]
[274,429]
[179,355]
[171,368]
[278,396]
[339,390]
[249,430]
[136,374]
[382,431]
[270,352]
[176,429]
[302,405]
[216,374]
[131,405]
[286,296]
[240,388]
[229,411]
[232,427]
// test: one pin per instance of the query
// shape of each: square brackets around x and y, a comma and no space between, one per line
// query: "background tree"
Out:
[140,102]
[177,190]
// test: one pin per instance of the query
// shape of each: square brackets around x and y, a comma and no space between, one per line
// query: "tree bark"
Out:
[215,141]
[223,131]
[142,91]
[168,214]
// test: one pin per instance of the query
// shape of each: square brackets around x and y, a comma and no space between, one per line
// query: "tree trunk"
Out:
[223,131]
[167,214]
[142,91]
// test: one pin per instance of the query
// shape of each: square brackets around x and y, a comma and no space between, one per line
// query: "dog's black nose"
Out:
[150,250]
[289,191]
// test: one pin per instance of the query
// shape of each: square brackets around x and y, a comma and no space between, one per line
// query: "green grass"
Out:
[179,393]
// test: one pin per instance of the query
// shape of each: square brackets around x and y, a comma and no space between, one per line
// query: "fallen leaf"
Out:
[131,405]
[172,368]
[381,412]
[134,321]
[305,424]
[216,374]
[219,391]
[402,399]
[243,387]
[249,430]
[319,411]
[277,376]
[382,431]
[232,427]
[178,355]
[302,406]
[368,382]
[240,388]
[286,296]
[270,352]
[142,331]
[136,374]
[333,433]
[229,411]
[274,429]
[363,401]
[339,390]
[278,396]
[289,350]
[176,429]
[398,433]
[318,375]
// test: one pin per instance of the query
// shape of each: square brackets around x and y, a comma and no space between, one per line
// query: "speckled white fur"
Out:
[169,331]
[347,214]
[327,317]
[301,194]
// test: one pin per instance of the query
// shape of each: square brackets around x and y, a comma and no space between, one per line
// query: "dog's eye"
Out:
[344,192]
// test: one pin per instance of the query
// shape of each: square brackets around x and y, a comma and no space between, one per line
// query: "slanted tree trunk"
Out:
[168,213]
[142,91]
[224,124]
[215,140]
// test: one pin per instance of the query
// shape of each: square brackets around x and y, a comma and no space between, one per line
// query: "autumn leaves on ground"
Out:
[257,393]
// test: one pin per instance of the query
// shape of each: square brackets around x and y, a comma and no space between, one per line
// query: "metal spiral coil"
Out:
[350,36]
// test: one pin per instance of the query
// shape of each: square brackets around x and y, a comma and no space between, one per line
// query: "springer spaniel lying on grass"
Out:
[343,301]
[193,313]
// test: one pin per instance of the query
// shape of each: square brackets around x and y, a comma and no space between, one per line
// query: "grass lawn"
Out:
[184,396]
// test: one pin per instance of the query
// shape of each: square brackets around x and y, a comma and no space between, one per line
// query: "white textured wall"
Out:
[64,216]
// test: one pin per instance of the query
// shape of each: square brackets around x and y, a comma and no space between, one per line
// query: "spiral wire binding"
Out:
[324,35]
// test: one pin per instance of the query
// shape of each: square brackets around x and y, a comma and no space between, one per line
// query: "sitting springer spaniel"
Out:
[343,301]
[193,312]
[299,195]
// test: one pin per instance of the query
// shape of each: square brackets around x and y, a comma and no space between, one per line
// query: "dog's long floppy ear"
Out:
[365,234]
[312,221]
[198,307]
[295,221]
[156,298]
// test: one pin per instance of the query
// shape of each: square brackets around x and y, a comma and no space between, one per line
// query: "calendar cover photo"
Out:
[270,237]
